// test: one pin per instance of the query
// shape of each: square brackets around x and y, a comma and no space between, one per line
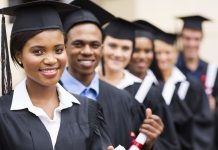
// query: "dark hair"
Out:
[154,67]
[18,40]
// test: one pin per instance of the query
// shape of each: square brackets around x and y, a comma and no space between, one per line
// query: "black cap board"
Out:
[37,15]
[80,16]
[193,22]
[148,26]
[103,15]
[158,33]
[142,31]
[120,29]
[169,38]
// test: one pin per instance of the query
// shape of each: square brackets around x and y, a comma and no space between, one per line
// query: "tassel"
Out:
[5,62]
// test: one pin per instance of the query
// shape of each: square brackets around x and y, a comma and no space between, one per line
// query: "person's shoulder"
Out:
[110,88]
[84,101]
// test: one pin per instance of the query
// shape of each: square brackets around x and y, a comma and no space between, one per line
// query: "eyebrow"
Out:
[85,41]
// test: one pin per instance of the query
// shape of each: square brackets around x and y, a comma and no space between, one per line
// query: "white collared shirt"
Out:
[170,85]
[128,79]
[21,100]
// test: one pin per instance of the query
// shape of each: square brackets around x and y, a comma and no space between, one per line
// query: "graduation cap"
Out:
[32,16]
[169,38]
[193,22]
[148,26]
[80,16]
[120,29]
[142,31]
[158,33]
[103,15]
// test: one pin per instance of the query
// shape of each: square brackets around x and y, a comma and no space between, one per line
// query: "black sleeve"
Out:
[99,139]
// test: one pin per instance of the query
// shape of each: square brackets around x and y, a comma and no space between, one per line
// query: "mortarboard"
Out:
[37,15]
[193,22]
[103,15]
[158,33]
[120,29]
[148,26]
[80,16]
[142,31]
[169,38]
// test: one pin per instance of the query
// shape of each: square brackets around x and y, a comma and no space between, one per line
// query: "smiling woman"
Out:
[40,112]
[43,58]
[117,51]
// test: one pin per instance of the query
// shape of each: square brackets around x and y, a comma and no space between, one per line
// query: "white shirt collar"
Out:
[129,79]
[21,99]
[151,76]
[170,85]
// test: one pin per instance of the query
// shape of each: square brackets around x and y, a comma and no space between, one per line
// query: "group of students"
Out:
[95,81]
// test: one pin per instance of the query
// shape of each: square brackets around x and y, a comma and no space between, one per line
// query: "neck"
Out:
[111,76]
[191,63]
[166,74]
[140,75]
[42,95]
[85,79]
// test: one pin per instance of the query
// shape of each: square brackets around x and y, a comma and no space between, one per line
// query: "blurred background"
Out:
[161,13]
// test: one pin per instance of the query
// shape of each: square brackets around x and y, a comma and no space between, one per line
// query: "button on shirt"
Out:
[74,86]
[21,100]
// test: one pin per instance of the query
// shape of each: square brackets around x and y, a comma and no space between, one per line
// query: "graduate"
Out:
[191,64]
[117,51]
[184,96]
[40,114]
[84,50]
[147,92]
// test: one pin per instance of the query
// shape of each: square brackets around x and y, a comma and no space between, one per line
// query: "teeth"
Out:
[49,71]
[86,62]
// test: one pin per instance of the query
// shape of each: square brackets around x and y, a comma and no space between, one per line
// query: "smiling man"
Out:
[123,115]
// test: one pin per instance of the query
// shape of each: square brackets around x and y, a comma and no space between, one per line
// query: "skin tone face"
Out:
[142,57]
[44,58]
[191,41]
[166,57]
[84,50]
[117,53]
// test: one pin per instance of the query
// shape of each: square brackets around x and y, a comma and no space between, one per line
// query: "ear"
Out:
[18,56]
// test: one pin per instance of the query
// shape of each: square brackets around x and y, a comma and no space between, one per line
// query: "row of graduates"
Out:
[170,108]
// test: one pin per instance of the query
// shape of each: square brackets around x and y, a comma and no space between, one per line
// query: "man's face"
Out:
[191,41]
[84,48]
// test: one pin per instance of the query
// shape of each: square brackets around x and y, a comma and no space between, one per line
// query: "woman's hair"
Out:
[154,67]
[18,40]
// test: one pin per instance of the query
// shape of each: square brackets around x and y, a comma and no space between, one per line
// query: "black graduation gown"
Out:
[121,113]
[202,71]
[82,128]
[192,117]
[168,140]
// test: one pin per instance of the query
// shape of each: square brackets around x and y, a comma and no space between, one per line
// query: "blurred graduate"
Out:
[191,64]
